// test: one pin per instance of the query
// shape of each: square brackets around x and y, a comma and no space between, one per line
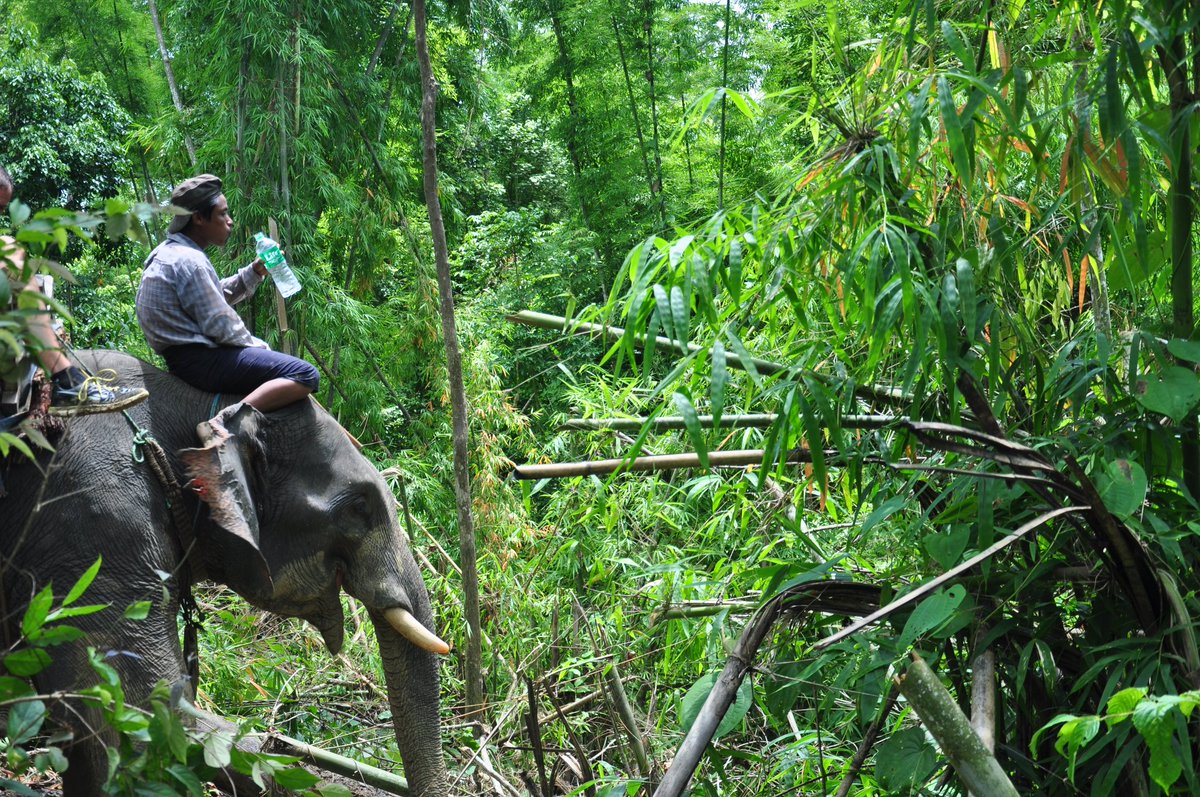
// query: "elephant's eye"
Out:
[354,505]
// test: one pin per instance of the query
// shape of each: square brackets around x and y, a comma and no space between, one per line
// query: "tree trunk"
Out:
[166,59]
[458,401]
[658,177]
[637,122]
[574,123]
[724,102]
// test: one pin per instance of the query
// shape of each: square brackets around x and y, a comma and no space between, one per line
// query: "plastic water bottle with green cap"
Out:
[272,256]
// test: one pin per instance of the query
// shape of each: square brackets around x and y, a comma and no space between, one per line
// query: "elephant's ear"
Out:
[222,475]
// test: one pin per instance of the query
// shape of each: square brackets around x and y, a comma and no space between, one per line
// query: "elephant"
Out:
[283,509]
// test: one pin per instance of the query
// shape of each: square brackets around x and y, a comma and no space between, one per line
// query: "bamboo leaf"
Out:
[663,308]
[683,404]
[679,316]
[719,378]
[954,132]
[83,582]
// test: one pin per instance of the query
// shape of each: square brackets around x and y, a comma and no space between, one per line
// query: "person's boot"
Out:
[76,394]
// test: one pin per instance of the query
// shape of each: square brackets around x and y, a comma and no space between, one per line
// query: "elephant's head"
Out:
[297,514]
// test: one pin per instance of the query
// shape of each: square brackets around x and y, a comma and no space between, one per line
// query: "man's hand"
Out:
[260,268]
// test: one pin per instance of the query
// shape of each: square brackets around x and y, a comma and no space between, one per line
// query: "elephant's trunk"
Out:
[412,684]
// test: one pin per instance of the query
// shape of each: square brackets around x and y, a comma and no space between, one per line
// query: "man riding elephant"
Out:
[186,312]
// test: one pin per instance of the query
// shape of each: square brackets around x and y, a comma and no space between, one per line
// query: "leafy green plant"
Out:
[1160,721]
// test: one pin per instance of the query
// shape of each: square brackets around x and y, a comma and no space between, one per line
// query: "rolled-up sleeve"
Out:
[242,285]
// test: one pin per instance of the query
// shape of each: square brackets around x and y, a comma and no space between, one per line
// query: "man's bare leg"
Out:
[275,394]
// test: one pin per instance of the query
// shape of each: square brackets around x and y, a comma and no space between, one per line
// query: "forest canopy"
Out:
[908,287]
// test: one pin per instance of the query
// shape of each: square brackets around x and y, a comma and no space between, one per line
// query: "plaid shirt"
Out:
[182,301]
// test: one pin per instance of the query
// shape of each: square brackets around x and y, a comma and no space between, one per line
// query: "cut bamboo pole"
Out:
[750,421]
[372,776]
[974,763]
[285,345]
[661,462]
[766,367]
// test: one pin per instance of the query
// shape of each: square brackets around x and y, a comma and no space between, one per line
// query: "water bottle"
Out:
[285,281]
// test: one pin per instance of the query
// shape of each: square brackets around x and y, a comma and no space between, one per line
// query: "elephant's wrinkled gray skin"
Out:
[307,516]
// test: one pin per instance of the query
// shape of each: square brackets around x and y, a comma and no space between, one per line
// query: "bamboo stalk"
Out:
[280,308]
[535,736]
[561,711]
[171,84]
[868,742]
[949,575]
[321,364]
[620,700]
[637,122]
[983,698]
[974,763]
[372,776]
[764,367]
[687,757]
[687,609]
[661,462]
[748,421]
[460,438]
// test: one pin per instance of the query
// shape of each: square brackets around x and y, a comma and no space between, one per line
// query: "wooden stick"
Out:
[616,692]
[868,742]
[599,467]
[974,763]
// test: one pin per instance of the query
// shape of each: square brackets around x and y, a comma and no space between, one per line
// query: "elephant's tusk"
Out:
[407,626]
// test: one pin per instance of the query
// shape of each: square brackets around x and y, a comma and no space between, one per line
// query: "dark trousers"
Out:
[227,369]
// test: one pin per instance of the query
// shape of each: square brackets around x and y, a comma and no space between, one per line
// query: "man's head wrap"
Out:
[195,195]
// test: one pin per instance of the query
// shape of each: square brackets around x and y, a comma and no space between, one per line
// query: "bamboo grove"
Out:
[813,355]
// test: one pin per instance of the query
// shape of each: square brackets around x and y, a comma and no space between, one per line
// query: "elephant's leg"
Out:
[142,652]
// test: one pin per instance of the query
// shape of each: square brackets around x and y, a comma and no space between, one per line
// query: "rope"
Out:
[184,537]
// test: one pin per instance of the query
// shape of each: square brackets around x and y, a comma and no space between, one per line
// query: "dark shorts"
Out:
[226,369]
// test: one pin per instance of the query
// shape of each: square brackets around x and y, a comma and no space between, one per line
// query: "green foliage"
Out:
[62,134]
[1160,720]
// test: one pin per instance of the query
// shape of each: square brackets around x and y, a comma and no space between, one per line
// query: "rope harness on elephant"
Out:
[146,449]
